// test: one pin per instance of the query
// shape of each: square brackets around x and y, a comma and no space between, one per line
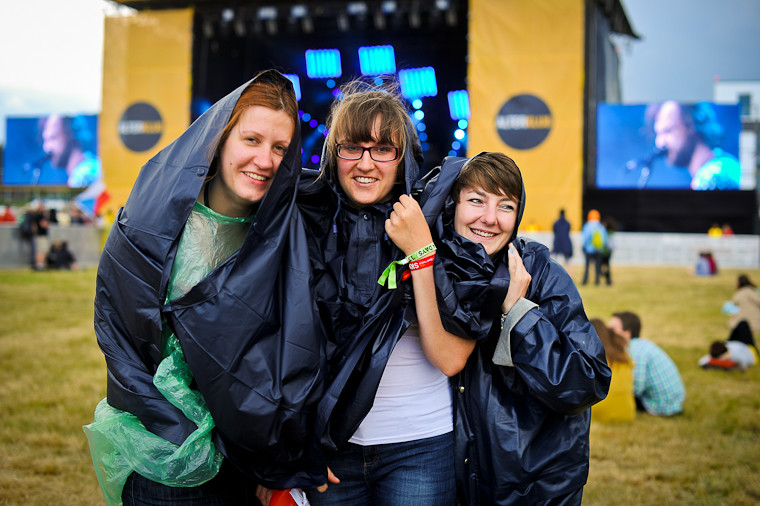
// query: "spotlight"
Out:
[228,15]
[388,7]
[298,11]
[357,8]
[267,13]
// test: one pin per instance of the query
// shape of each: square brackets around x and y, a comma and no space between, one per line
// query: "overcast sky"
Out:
[51,52]
[685,45]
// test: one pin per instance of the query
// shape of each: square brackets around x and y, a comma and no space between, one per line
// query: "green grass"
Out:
[711,453]
[52,374]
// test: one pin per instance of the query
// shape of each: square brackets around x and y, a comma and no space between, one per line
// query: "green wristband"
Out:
[390,272]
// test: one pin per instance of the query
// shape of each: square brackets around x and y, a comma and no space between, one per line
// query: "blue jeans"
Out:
[396,474]
[228,488]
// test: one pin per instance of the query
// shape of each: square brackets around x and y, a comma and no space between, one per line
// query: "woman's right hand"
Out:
[519,279]
[407,227]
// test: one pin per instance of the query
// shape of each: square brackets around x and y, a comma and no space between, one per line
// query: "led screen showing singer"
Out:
[53,150]
[670,145]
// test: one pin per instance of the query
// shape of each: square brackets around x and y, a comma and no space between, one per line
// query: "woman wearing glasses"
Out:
[386,420]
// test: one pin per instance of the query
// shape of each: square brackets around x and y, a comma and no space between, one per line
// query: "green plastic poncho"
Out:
[119,443]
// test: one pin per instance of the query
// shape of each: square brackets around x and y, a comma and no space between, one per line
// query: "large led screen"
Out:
[51,150]
[670,145]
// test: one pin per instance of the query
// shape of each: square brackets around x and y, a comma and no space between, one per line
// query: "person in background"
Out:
[606,255]
[534,366]
[734,353]
[657,384]
[41,220]
[691,135]
[715,230]
[706,265]
[204,311]
[562,247]
[594,238]
[60,257]
[619,405]
[7,216]
[744,305]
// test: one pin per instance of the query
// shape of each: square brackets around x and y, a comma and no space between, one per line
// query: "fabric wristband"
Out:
[417,265]
[390,272]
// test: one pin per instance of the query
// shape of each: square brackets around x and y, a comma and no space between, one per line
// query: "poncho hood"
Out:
[249,331]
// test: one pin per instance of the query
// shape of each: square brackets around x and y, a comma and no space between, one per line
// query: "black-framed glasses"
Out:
[377,153]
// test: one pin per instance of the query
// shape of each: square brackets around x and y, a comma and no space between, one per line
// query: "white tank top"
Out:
[413,400]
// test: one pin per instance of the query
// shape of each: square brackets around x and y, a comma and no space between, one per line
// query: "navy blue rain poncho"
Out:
[522,401]
[364,318]
[249,331]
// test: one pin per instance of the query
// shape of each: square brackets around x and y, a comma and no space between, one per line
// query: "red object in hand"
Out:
[289,497]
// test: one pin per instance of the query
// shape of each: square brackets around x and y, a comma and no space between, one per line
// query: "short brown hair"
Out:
[631,322]
[493,172]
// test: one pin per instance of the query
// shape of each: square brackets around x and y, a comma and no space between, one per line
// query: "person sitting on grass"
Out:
[739,351]
[657,385]
[619,405]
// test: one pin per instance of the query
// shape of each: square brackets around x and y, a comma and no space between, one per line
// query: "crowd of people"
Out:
[34,225]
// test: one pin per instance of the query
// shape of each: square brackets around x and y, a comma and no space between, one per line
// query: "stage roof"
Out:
[612,9]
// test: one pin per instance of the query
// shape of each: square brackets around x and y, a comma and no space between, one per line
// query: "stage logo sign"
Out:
[140,127]
[524,121]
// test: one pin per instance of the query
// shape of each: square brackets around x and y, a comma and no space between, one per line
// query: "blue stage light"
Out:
[417,103]
[377,60]
[423,136]
[417,83]
[296,84]
[323,63]
[462,123]
[306,116]
[459,104]
[459,134]
[419,115]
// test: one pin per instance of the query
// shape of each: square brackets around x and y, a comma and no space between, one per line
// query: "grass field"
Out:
[52,375]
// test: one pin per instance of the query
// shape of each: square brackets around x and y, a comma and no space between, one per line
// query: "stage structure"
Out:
[523,77]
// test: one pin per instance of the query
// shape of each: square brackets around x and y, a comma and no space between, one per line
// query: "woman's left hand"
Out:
[519,279]
[407,227]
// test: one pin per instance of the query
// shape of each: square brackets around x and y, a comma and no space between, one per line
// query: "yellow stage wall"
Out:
[521,48]
[147,69]
[536,48]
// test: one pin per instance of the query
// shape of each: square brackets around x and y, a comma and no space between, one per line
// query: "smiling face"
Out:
[485,218]
[366,181]
[249,160]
